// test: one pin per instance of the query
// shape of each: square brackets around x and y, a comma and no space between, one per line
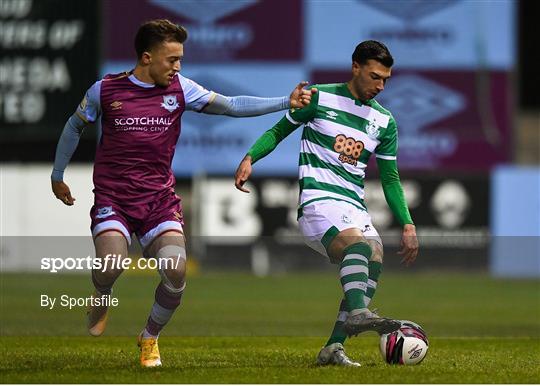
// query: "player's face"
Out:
[369,79]
[165,62]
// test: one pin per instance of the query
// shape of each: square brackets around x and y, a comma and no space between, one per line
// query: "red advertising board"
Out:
[455,120]
[218,30]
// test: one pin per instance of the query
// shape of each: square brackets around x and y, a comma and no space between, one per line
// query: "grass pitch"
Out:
[235,328]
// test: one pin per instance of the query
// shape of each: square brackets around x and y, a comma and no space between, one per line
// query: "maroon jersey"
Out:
[140,127]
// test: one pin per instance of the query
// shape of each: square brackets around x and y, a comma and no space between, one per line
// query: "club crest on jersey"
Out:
[372,130]
[170,103]
[105,212]
[346,219]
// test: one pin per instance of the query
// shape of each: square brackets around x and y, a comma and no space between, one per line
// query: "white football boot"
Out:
[335,355]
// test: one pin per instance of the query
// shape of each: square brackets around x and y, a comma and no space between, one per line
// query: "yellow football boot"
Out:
[149,351]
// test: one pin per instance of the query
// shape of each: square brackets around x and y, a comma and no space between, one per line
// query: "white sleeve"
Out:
[90,107]
[195,95]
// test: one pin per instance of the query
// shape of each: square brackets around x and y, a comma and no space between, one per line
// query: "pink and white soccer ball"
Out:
[406,346]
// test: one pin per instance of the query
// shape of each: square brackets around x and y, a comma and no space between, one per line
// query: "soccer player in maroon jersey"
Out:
[139,114]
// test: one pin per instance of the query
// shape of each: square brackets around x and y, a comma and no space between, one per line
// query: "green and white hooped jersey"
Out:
[340,135]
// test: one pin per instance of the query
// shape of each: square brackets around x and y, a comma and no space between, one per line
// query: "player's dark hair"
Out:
[372,49]
[156,32]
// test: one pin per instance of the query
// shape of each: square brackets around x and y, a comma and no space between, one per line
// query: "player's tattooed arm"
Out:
[409,245]
[395,197]
[243,173]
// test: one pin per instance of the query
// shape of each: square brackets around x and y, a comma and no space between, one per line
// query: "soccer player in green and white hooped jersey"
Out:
[343,127]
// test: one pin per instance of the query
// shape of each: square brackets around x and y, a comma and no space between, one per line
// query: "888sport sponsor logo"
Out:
[349,149]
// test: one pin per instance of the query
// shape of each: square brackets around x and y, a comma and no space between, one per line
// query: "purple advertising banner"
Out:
[454,120]
[218,30]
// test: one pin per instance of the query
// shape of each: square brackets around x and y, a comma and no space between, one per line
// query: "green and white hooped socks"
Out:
[353,273]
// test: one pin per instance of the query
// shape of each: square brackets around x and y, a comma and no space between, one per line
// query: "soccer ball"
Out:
[406,346]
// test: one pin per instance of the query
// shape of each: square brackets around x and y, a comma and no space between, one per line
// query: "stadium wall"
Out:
[515,225]
[227,229]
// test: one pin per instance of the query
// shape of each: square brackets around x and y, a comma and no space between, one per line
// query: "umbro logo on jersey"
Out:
[170,103]
[116,105]
[331,114]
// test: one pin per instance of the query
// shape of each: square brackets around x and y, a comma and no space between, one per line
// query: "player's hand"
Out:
[409,245]
[242,174]
[62,192]
[300,97]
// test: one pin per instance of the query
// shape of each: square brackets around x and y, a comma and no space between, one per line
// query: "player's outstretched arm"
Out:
[261,148]
[250,106]
[300,97]
[68,142]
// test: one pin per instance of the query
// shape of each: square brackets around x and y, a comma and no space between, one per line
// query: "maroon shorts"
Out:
[147,221]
